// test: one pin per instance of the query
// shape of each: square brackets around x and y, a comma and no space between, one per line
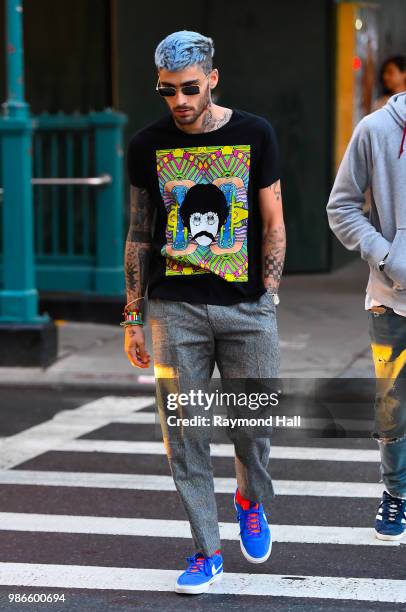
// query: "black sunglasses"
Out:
[187,90]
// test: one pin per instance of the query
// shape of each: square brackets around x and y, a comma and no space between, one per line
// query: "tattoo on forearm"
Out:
[274,247]
[138,245]
[136,269]
[140,215]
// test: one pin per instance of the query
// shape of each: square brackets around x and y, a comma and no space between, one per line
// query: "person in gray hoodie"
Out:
[376,159]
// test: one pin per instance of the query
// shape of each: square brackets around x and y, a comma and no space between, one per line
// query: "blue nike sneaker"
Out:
[200,574]
[255,535]
[390,521]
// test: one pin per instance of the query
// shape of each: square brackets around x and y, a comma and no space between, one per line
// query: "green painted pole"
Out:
[108,147]
[19,297]
[15,105]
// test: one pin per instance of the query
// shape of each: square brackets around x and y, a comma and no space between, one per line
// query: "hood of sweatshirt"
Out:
[396,107]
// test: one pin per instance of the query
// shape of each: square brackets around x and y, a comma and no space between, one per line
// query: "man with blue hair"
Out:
[182,52]
[207,240]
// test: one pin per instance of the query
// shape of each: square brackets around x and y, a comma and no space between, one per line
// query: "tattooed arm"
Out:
[136,262]
[138,244]
[273,238]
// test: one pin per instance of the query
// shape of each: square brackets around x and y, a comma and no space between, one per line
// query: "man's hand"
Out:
[134,346]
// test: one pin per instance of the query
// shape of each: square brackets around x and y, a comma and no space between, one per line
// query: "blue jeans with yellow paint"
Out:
[388,342]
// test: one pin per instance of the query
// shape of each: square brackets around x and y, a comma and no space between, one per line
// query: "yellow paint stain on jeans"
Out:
[164,371]
[385,366]
[387,370]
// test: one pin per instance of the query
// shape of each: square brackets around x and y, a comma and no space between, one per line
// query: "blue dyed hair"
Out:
[182,49]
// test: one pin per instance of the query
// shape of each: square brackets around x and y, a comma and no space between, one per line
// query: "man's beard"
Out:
[196,114]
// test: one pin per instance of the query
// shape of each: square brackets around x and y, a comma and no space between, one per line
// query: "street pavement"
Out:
[322,327]
[89,512]
[88,508]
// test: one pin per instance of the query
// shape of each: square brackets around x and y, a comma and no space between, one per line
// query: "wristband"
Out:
[274,296]
[133,317]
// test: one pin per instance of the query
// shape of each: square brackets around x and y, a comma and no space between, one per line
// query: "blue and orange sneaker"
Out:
[200,574]
[390,521]
[255,535]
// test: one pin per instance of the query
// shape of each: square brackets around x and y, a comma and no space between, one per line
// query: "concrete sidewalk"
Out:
[322,327]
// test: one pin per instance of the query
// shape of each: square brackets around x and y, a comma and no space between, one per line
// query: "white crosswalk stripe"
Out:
[147,482]
[136,579]
[305,534]
[222,450]
[66,425]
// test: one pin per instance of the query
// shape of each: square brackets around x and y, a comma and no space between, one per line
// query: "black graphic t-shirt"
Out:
[207,239]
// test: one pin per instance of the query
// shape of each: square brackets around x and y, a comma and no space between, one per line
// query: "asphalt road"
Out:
[88,511]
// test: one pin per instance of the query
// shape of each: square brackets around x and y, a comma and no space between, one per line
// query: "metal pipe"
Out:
[93,181]
[15,106]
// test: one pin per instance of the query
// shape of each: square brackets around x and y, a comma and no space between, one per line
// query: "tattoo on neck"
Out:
[207,120]
[211,123]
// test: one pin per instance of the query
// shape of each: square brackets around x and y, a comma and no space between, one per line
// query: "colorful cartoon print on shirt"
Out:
[204,190]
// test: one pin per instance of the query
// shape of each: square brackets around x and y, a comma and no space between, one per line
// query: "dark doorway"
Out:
[67,55]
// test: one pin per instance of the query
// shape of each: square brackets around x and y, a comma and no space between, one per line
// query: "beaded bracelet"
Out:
[133,317]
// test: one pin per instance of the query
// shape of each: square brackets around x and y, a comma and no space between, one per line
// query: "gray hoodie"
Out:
[376,158]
